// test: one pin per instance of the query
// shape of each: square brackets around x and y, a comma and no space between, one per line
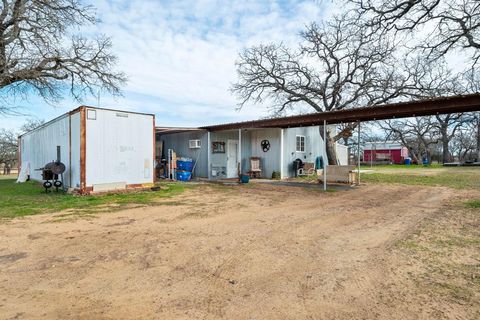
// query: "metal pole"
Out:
[209,151]
[239,152]
[358,154]
[282,173]
[325,162]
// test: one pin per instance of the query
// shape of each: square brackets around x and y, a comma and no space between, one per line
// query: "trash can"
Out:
[425,161]
[183,175]
[408,161]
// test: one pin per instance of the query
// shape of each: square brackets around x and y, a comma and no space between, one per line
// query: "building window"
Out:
[300,144]
[91,114]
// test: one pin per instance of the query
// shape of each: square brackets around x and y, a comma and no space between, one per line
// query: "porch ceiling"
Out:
[442,105]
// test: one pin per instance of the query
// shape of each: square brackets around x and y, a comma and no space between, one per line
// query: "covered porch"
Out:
[231,152]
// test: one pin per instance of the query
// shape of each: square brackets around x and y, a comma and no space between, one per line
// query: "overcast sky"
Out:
[179,55]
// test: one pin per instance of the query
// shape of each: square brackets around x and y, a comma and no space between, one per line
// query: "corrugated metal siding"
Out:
[250,147]
[39,147]
[119,148]
[179,143]
[220,159]
[75,150]
[314,147]
[270,160]
[246,150]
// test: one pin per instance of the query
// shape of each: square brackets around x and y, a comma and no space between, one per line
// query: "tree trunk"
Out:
[445,141]
[330,144]
[331,151]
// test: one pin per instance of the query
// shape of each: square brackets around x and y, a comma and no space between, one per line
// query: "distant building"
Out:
[384,152]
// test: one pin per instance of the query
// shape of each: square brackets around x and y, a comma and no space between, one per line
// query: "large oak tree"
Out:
[338,65]
[43,52]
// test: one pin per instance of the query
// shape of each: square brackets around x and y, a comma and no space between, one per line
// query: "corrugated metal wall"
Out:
[179,143]
[313,147]
[39,147]
[270,160]
[119,148]
[75,150]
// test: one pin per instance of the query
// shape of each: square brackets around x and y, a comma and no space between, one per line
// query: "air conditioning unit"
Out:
[194,144]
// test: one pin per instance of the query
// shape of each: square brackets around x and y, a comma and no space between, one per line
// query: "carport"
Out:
[426,107]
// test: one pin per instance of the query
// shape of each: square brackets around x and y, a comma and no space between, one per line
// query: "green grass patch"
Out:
[403,167]
[458,180]
[29,198]
[473,203]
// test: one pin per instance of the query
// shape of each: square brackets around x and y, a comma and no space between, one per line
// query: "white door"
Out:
[232,158]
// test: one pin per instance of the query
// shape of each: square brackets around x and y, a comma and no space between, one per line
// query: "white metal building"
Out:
[102,149]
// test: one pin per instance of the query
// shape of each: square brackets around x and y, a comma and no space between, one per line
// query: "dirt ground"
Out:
[245,252]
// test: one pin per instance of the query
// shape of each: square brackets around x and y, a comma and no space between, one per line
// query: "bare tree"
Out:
[337,66]
[445,24]
[8,148]
[464,144]
[418,135]
[447,126]
[9,142]
[31,124]
[42,50]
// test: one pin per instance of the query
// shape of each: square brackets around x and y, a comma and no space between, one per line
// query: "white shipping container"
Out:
[102,149]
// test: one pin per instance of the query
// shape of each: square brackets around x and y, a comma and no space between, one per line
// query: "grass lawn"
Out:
[434,175]
[22,199]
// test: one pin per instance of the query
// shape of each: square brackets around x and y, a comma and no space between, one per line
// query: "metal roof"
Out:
[426,107]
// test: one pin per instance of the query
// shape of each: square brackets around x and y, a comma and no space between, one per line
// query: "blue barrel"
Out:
[183,175]
[185,165]
[408,161]
[244,178]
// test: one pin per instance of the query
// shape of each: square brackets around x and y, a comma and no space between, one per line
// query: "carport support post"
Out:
[239,153]
[325,162]
[209,151]
[358,154]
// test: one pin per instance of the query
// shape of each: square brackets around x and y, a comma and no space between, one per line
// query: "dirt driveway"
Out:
[249,252]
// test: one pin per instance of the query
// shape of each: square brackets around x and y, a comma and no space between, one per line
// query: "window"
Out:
[300,144]
[91,114]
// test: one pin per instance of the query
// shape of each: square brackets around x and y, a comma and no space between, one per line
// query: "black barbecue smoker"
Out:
[52,173]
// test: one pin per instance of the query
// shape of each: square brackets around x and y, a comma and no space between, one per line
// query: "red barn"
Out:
[384,152]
